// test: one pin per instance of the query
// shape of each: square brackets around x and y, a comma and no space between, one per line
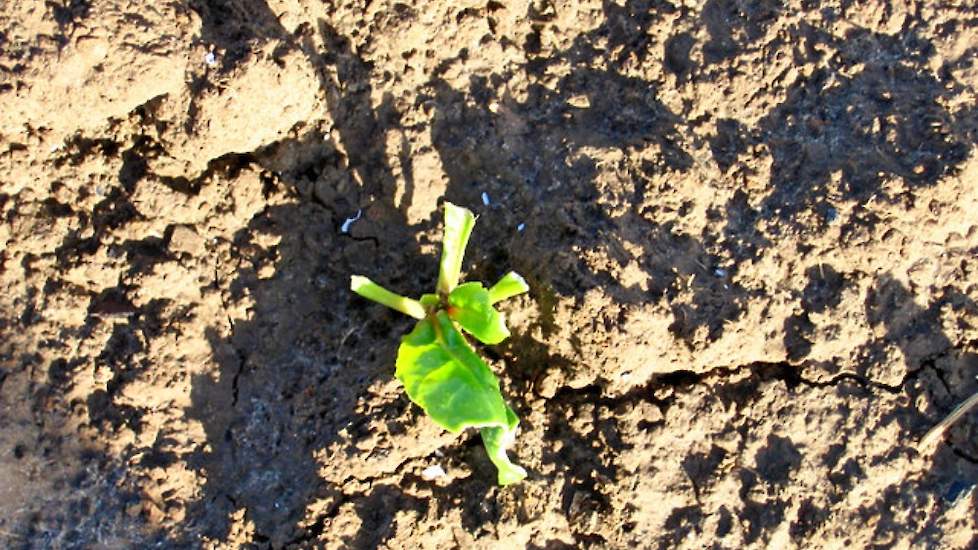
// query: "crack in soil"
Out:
[761,371]
[313,532]
[961,454]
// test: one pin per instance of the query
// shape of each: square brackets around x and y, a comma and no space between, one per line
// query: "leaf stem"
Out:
[372,291]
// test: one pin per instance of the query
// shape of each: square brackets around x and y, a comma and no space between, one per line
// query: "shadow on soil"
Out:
[293,376]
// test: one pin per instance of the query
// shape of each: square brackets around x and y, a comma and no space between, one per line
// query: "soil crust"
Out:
[749,229]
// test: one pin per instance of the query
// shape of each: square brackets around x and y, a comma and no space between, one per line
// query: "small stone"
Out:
[267,271]
[154,514]
[548,385]
[432,473]
[580,101]
[185,239]
[663,392]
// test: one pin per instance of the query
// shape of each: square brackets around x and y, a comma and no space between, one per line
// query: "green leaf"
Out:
[372,291]
[512,284]
[497,440]
[458,226]
[430,301]
[469,305]
[443,375]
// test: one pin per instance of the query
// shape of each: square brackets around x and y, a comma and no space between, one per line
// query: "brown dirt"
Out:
[750,234]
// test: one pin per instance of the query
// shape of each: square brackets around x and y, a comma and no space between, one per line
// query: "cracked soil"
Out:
[749,229]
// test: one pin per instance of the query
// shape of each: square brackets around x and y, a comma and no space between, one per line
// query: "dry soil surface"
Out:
[750,230]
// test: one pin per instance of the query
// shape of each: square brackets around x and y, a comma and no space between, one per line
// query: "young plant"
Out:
[440,371]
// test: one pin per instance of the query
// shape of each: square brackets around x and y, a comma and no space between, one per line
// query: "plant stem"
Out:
[937,431]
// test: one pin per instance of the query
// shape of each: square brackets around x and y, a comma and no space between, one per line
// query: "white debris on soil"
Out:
[521,227]
[345,228]
[432,472]
[720,272]
[485,198]
[210,59]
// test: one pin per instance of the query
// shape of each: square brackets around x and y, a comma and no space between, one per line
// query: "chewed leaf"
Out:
[469,305]
[496,440]
[443,375]
[458,226]
[510,285]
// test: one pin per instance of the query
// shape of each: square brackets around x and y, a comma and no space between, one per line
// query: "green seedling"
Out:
[439,369]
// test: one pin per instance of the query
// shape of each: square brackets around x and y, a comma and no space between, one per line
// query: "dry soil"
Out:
[749,229]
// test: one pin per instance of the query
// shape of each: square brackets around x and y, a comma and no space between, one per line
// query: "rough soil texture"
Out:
[750,230]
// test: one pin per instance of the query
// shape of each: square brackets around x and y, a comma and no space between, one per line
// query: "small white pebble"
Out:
[720,272]
[485,198]
[521,227]
[345,228]
[432,472]
[210,59]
